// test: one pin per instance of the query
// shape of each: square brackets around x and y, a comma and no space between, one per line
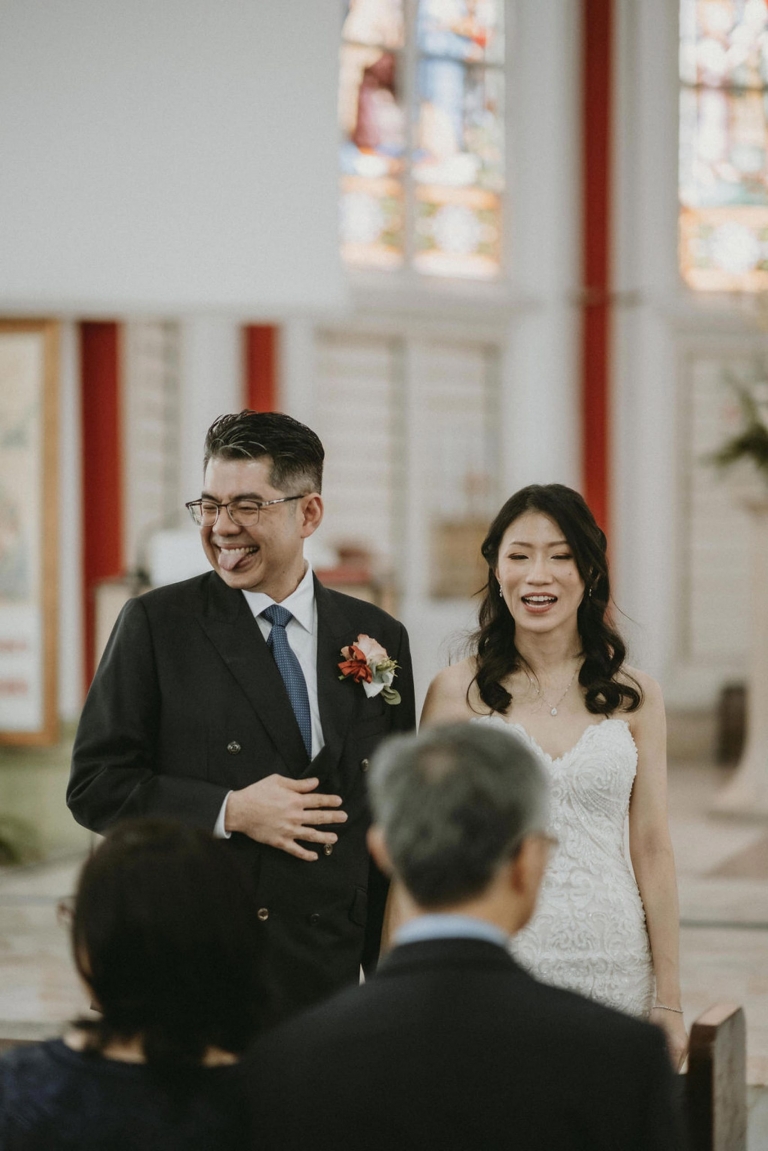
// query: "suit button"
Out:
[314,918]
[234,747]
[364,764]
[328,849]
[263,914]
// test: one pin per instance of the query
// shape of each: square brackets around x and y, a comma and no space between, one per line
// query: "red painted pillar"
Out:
[260,355]
[597,54]
[102,468]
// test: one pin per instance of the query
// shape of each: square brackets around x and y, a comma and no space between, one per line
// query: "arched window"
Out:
[724,144]
[421,110]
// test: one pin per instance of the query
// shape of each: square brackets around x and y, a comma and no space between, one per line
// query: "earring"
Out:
[501,593]
[590,593]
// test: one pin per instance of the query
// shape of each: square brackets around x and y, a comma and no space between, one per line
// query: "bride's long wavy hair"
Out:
[603,648]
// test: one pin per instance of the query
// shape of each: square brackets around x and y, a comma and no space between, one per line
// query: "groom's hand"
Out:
[278,811]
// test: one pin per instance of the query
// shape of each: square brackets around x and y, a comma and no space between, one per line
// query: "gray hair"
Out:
[453,803]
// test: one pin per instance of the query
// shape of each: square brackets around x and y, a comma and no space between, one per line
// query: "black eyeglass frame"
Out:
[195,508]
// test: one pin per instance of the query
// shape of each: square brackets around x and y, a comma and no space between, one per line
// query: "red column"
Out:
[260,343]
[596,254]
[102,468]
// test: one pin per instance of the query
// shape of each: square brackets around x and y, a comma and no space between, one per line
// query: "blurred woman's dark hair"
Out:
[603,648]
[164,933]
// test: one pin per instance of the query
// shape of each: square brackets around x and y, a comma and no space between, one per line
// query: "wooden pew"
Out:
[716,1081]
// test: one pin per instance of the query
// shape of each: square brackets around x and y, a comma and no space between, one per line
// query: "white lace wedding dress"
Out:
[588,932]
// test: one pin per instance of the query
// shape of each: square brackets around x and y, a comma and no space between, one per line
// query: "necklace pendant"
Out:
[553,711]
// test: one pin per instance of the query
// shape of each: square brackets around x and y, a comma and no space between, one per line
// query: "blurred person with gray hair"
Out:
[452,1044]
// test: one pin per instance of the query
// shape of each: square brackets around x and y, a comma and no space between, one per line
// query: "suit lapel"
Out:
[229,624]
[335,696]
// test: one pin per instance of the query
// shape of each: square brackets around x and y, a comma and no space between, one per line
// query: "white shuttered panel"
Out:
[714,599]
[151,414]
[412,432]
[459,394]
[359,382]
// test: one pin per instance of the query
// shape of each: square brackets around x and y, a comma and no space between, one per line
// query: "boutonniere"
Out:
[367,662]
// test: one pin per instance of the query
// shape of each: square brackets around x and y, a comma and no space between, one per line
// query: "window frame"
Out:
[417,290]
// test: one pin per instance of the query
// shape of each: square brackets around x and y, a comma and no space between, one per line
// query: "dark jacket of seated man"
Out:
[452,1045]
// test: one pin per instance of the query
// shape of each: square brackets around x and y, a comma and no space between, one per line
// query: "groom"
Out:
[220,702]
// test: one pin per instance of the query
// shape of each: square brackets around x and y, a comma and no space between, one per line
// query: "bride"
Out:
[549,664]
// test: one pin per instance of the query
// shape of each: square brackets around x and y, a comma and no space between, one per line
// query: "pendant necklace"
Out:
[553,706]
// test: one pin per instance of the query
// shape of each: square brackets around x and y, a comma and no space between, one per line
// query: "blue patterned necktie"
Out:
[290,669]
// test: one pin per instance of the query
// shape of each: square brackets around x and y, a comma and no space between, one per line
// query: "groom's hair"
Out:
[295,451]
[454,803]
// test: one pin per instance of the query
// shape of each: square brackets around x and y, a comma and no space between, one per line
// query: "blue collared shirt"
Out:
[445,926]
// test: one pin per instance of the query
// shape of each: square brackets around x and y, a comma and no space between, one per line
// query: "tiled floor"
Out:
[38,988]
[723,908]
[723,879]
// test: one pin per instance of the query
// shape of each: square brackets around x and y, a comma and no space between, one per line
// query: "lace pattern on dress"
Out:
[588,932]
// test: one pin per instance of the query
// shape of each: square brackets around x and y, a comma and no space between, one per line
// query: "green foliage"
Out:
[752,441]
[18,841]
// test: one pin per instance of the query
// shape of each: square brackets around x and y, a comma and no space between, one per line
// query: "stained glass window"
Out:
[724,144]
[422,121]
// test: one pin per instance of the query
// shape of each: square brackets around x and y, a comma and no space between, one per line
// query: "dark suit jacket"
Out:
[451,1045]
[187,703]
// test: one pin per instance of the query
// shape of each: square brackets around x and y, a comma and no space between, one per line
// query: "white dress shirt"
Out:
[302,637]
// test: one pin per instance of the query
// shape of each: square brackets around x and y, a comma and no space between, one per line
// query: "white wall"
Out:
[70,567]
[680,544]
[542,423]
[644,465]
[211,384]
[170,157]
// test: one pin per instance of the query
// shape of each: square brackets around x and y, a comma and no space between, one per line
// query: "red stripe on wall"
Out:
[260,355]
[101,470]
[596,254]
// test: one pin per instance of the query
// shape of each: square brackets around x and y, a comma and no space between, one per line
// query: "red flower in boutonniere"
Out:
[355,664]
[367,662]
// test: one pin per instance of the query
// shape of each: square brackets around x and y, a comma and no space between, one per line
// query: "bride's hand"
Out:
[674,1029]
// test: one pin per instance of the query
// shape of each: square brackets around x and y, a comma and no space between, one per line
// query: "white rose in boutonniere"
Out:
[366,661]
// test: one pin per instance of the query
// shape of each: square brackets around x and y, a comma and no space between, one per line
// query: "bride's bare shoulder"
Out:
[648,685]
[457,676]
[450,695]
[651,709]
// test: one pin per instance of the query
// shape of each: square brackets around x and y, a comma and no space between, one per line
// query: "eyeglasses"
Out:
[243,513]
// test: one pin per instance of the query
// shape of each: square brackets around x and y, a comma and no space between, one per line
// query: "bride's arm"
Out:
[400,908]
[653,861]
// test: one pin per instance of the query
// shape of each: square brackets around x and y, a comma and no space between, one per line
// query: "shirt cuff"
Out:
[219,829]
